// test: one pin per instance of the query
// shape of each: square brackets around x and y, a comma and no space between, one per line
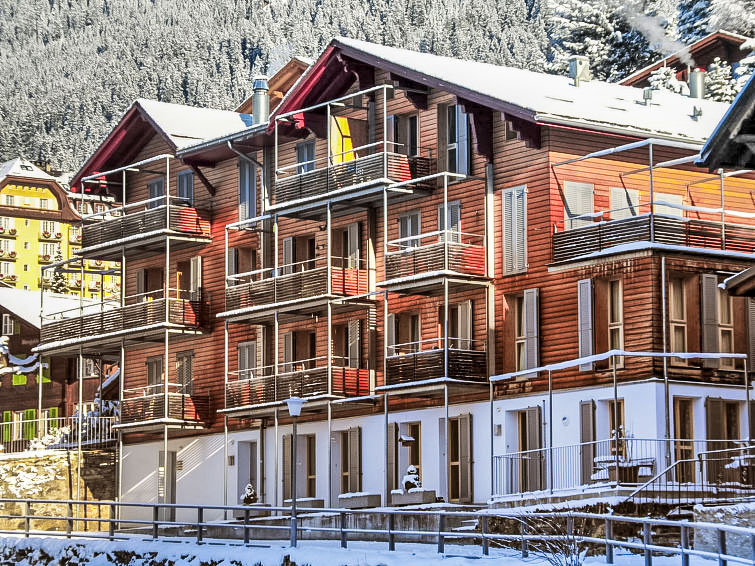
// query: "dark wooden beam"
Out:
[201,163]
[209,186]
[528,132]
[482,127]
[415,92]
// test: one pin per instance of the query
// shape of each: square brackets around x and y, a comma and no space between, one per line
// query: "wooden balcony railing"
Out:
[143,312]
[669,230]
[357,171]
[435,251]
[302,280]
[148,404]
[419,361]
[305,378]
[142,220]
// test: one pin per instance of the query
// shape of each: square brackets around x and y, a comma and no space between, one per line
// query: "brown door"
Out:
[684,448]
[532,464]
[587,439]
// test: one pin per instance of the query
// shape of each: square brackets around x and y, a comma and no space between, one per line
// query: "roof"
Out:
[720,43]
[26,304]
[537,97]
[283,79]
[726,147]
[23,168]
[742,284]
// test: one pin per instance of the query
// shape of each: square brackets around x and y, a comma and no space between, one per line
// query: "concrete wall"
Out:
[741,515]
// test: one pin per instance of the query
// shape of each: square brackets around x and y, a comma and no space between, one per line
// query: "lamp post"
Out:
[294,410]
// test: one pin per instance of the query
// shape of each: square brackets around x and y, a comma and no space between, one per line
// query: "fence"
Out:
[565,533]
[628,461]
[58,433]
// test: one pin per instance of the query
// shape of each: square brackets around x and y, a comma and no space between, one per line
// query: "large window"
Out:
[8,325]
[408,227]
[525,310]
[616,318]
[305,156]
[449,224]
[247,190]
[514,207]
[457,140]
[154,375]
[677,310]
[185,372]
[186,187]
[156,189]
[519,338]
[725,327]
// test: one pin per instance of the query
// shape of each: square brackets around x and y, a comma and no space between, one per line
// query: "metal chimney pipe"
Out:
[260,100]
[697,83]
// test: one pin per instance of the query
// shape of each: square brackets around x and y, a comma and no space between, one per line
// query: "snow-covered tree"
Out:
[733,15]
[58,282]
[719,83]
[694,19]
[664,78]
[744,69]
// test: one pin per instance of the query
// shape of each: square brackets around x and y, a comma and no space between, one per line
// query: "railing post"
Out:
[484,532]
[155,519]
[200,521]
[609,538]
[441,538]
[111,522]
[27,520]
[685,545]
[647,539]
[525,550]
[721,540]
[343,529]
[69,520]
[391,536]
[246,526]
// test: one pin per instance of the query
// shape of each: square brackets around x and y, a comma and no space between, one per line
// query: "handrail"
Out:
[281,268]
[446,232]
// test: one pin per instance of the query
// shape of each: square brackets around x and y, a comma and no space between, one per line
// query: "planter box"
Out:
[361,501]
[306,503]
[255,510]
[413,498]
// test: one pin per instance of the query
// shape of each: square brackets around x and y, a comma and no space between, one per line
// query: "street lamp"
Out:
[294,410]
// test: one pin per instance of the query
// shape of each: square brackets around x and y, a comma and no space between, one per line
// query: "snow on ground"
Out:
[312,553]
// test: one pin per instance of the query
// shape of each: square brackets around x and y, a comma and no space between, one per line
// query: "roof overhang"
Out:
[742,284]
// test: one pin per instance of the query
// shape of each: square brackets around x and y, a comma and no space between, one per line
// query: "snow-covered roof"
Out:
[26,304]
[189,125]
[550,98]
[23,168]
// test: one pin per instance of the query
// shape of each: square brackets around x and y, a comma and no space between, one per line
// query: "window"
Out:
[75,233]
[6,268]
[186,187]
[578,204]
[519,338]
[457,140]
[412,135]
[7,246]
[7,223]
[247,359]
[725,327]
[99,207]
[616,419]
[624,203]
[684,448]
[514,208]
[408,227]
[585,321]
[47,249]
[8,325]
[311,469]
[26,268]
[526,329]
[451,229]
[43,203]
[247,190]
[9,200]
[27,246]
[615,318]
[156,189]
[154,375]
[674,206]
[305,156]
[81,207]
[48,227]
[185,372]
[403,334]
[677,310]
[351,460]
[460,459]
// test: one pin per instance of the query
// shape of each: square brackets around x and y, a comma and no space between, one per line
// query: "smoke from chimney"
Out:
[652,28]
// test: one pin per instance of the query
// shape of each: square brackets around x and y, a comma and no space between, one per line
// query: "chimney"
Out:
[697,83]
[260,100]
[579,69]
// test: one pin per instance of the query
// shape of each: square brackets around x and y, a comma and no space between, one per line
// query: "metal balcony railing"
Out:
[58,433]
[425,359]
[147,403]
[443,250]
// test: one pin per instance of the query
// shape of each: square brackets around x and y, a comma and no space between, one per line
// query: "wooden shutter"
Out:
[443,468]
[243,189]
[196,277]
[715,417]
[584,311]
[464,332]
[288,351]
[286,463]
[578,201]
[709,312]
[531,328]
[536,462]
[355,459]
[354,343]
[442,138]
[288,255]
[391,463]
[624,203]
[390,133]
[514,210]
[586,438]
[353,238]
[751,335]
[463,157]
[7,420]
[390,334]
[30,425]
[465,458]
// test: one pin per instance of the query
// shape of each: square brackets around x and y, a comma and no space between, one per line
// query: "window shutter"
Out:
[586,437]
[465,458]
[584,308]
[244,189]
[514,210]
[531,327]
[286,466]
[390,133]
[751,335]
[7,419]
[288,255]
[442,138]
[442,463]
[355,459]
[676,200]
[578,201]
[390,335]
[186,186]
[709,308]
[288,350]
[19,379]
[16,326]
[354,244]
[464,332]
[536,462]
[391,458]
[624,202]
[462,142]
[52,417]
[715,418]
[354,343]
[30,425]
[196,277]
[140,284]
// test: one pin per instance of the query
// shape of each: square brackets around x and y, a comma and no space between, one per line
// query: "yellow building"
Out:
[39,223]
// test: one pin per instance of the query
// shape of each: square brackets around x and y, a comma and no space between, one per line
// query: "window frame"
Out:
[309,163]
[726,327]
[520,334]
[677,286]
[183,176]
[159,181]
[8,323]
[615,325]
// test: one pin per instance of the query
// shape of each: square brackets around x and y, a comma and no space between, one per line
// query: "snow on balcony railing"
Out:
[58,433]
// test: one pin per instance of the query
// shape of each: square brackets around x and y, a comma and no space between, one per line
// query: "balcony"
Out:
[433,254]
[297,283]
[142,315]
[359,171]
[692,233]
[425,360]
[142,228]
[146,405]
[303,378]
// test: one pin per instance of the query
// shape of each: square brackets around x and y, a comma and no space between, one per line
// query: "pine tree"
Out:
[733,15]
[58,283]
[719,84]
[694,19]
[744,69]
[664,78]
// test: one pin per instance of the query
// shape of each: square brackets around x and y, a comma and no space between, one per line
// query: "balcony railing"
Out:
[144,311]
[444,250]
[58,433]
[147,403]
[354,170]
[303,378]
[138,221]
[668,230]
[628,462]
[301,280]
[420,361]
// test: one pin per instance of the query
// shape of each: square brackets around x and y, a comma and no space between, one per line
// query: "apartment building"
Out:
[421,248]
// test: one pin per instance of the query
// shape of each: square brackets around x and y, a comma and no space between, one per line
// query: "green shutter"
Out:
[19,379]
[52,416]
[7,418]
[44,372]
[30,425]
